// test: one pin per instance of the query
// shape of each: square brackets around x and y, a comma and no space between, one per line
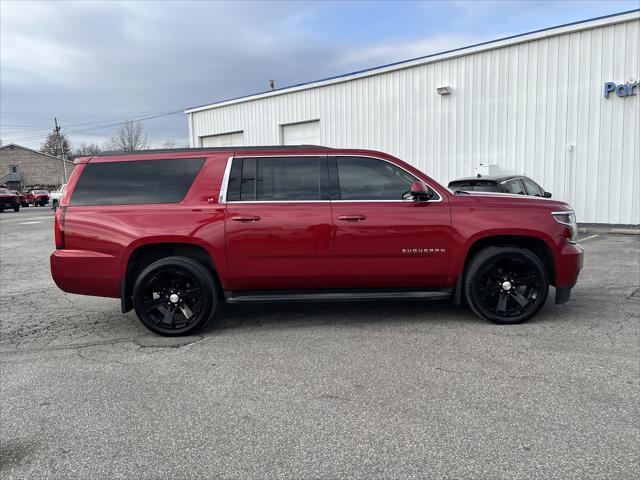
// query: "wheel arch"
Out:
[143,255]
[537,245]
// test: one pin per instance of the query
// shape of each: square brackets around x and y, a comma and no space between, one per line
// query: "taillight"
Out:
[59,227]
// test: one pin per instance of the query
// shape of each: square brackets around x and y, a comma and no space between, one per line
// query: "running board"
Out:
[337,295]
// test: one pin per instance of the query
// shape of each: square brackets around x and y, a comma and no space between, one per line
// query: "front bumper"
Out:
[569,262]
[563,294]
[7,203]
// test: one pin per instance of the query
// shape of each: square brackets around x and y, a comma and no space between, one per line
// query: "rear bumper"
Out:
[85,273]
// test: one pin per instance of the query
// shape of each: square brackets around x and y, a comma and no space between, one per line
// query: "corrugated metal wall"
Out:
[535,108]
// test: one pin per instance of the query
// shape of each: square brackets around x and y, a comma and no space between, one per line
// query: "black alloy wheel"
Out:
[175,296]
[506,285]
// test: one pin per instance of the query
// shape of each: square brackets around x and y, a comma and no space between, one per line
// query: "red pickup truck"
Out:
[40,197]
[9,200]
[174,233]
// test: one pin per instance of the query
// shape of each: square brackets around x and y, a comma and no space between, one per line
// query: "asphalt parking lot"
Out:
[359,390]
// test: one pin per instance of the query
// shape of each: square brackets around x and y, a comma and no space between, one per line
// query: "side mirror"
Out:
[547,194]
[420,191]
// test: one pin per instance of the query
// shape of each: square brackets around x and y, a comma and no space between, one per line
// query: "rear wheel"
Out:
[506,285]
[175,296]
[16,208]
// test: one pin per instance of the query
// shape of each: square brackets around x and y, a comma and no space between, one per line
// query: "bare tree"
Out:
[130,136]
[51,145]
[87,150]
[170,144]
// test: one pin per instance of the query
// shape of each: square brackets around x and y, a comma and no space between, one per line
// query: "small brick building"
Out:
[22,167]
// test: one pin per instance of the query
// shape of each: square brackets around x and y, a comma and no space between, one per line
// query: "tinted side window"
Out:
[277,179]
[139,182]
[532,187]
[289,178]
[474,186]
[514,186]
[363,178]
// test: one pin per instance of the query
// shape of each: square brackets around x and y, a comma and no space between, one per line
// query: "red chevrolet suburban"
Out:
[173,233]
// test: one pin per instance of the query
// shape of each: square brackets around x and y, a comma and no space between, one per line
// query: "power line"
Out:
[118,123]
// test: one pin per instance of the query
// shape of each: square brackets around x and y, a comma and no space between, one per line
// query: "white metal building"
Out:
[560,105]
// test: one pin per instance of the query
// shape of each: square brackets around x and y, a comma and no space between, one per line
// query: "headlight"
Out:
[568,218]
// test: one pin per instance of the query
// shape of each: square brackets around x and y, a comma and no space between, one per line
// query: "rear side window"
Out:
[474,186]
[277,179]
[139,182]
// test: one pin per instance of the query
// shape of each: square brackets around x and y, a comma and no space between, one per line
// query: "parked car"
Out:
[56,195]
[21,198]
[40,198]
[514,184]
[8,200]
[173,233]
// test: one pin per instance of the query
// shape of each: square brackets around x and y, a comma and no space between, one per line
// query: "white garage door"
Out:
[235,139]
[307,133]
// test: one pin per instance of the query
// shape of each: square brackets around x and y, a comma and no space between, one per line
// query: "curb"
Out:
[612,231]
[625,231]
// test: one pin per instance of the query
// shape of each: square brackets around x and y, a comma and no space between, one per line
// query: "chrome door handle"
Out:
[245,218]
[352,218]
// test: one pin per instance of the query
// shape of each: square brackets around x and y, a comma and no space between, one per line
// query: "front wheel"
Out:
[175,296]
[506,285]
[16,208]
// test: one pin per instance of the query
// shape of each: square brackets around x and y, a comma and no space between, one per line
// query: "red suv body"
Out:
[172,233]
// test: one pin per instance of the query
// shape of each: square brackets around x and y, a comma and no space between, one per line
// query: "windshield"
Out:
[4,191]
[40,192]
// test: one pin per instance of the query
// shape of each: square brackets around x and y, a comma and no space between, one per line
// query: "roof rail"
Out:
[212,149]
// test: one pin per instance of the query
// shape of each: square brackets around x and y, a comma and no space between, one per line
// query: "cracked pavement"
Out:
[349,390]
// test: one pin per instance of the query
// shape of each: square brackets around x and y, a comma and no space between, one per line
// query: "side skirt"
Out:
[337,295]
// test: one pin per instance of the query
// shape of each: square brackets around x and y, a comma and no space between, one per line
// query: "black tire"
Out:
[506,285]
[163,290]
[16,208]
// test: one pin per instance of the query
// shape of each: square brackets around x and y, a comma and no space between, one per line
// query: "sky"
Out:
[95,64]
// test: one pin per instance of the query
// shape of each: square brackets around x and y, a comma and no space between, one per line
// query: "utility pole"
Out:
[61,147]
